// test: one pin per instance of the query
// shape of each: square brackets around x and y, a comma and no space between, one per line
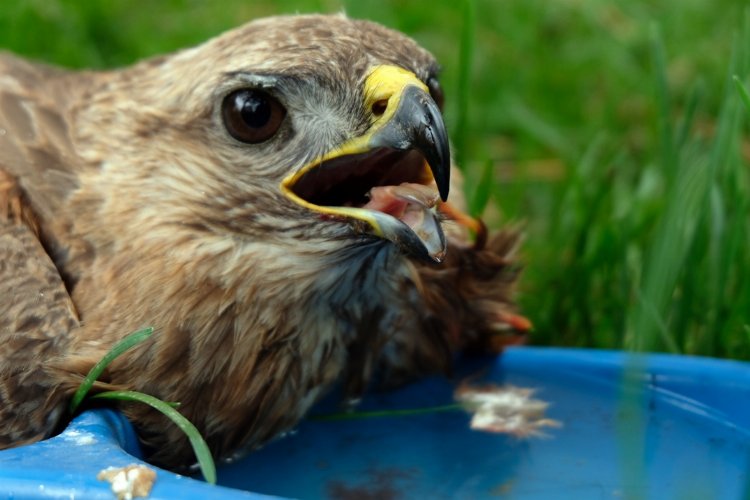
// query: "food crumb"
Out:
[507,410]
[130,481]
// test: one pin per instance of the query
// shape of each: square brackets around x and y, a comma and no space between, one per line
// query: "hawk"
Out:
[272,202]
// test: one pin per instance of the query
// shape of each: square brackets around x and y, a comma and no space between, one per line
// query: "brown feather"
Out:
[37,319]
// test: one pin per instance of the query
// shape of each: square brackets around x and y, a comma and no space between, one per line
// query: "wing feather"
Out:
[37,314]
[37,317]
[35,141]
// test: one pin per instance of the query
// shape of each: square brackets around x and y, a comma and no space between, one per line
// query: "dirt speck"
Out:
[380,484]
[502,490]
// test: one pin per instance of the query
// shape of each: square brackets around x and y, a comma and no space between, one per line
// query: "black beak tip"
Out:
[440,162]
[442,175]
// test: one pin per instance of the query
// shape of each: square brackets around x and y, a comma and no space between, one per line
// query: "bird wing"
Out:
[36,318]
[35,144]
[37,314]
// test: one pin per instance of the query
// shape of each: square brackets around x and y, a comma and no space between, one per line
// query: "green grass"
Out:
[96,371]
[200,447]
[612,129]
[168,409]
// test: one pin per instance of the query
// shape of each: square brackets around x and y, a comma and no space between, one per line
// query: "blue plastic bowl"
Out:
[678,429]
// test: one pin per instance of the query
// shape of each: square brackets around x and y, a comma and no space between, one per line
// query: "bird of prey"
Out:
[272,202]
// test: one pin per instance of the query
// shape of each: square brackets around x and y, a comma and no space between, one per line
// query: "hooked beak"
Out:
[390,179]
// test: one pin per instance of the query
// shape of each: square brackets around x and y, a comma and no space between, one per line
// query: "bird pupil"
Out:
[254,108]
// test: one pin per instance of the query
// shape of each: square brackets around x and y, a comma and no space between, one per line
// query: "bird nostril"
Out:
[379,107]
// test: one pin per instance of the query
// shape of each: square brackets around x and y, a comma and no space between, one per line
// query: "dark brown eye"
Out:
[252,115]
[436,91]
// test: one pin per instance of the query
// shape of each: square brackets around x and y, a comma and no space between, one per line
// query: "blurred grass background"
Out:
[610,129]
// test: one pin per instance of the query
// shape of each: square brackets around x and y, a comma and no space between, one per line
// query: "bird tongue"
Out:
[413,205]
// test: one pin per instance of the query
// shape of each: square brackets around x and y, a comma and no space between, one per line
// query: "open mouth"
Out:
[346,181]
[391,189]
[389,180]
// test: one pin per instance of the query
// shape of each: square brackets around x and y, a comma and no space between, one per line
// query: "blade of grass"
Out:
[659,61]
[689,181]
[666,258]
[356,415]
[125,344]
[742,90]
[688,119]
[483,191]
[466,52]
[631,427]
[727,176]
[202,453]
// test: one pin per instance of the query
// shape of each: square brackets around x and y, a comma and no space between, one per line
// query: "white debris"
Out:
[130,481]
[79,438]
[508,410]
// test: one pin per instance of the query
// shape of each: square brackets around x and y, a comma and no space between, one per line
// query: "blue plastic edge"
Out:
[66,466]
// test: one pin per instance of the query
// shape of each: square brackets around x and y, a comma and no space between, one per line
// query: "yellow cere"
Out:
[387,83]
[383,83]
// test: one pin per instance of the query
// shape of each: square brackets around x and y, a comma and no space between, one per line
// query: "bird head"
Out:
[314,125]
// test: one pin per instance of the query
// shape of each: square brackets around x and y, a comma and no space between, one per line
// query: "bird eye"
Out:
[436,91]
[252,115]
